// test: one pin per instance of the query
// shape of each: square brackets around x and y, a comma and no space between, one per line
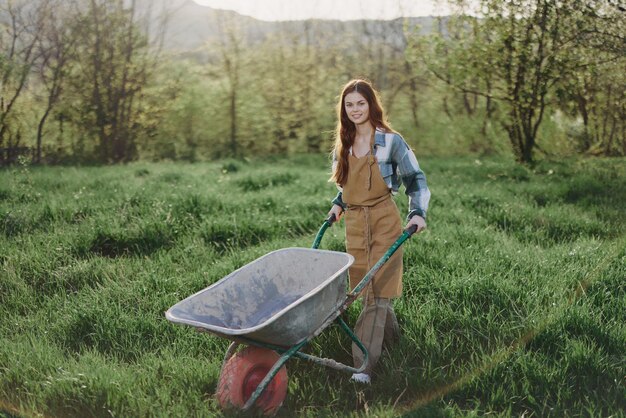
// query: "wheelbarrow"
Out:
[276,305]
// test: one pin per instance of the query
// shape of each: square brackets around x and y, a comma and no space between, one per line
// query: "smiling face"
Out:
[357,108]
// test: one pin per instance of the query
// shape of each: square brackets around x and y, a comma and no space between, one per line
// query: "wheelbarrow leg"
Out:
[358,343]
[270,375]
[330,362]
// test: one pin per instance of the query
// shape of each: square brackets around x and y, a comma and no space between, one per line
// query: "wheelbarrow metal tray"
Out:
[280,298]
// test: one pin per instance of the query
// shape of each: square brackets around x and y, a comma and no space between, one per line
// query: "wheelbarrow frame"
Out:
[294,351]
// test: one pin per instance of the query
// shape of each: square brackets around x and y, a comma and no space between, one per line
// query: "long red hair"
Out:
[346,129]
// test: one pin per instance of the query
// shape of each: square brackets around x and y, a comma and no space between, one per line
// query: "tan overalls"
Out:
[372,226]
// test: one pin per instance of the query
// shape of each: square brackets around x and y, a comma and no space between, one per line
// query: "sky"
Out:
[273,10]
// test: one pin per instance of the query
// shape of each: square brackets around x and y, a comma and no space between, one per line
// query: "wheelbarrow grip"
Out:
[411,229]
[327,223]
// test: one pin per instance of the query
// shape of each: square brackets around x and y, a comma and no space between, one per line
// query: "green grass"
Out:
[514,301]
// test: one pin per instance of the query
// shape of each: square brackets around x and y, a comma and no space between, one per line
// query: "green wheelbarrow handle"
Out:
[327,223]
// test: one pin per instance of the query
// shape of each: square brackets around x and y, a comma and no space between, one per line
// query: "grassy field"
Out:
[514,302]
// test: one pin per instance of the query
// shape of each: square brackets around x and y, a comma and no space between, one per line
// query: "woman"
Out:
[370,161]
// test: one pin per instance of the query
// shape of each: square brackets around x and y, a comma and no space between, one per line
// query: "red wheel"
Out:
[241,375]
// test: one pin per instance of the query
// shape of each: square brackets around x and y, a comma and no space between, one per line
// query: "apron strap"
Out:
[371,160]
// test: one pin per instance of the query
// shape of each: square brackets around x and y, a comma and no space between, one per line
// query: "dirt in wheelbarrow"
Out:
[241,318]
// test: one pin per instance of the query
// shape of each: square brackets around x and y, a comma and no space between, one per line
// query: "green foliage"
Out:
[109,69]
[91,86]
[513,298]
[533,59]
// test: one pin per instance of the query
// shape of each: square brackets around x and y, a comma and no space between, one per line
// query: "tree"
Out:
[111,65]
[54,49]
[19,35]
[595,91]
[288,87]
[405,77]
[526,47]
[231,47]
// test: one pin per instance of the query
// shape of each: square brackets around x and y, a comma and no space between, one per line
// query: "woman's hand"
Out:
[337,211]
[418,221]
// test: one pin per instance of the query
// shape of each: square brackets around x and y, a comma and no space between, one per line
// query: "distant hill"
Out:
[191,25]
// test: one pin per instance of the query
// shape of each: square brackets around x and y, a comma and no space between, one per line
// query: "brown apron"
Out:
[372,226]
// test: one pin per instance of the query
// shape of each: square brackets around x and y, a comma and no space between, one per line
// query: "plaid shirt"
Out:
[398,165]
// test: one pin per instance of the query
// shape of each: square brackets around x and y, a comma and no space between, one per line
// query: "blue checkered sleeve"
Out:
[412,177]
